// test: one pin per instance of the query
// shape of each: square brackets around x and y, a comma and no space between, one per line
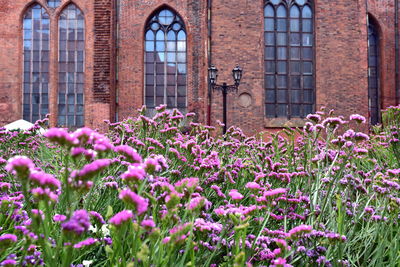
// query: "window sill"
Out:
[284,122]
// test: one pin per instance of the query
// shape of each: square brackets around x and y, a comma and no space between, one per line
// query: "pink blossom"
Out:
[85,243]
[132,198]
[20,165]
[149,223]
[134,173]
[129,153]
[235,195]
[121,217]
[61,137]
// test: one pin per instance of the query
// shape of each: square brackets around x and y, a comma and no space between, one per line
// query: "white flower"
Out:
[87,263]
[105,230]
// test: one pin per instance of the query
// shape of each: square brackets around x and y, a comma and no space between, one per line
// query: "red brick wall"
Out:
[383,13]
[132,20]
[11,13]
[237,37]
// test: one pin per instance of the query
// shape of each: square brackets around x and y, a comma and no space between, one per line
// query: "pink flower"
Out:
[20,165]
[235,195]
[90,170]
[358,118]
[44,180]
[85,243]
[134,173]
[253,186]
[7,239]
[149,223]
[44,194]
[129,153]
[59,218]
[61,137]
[121,217]
[132,198]
[196,203]
[298,230]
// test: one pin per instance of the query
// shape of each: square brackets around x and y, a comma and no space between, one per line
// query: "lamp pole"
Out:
[225,88]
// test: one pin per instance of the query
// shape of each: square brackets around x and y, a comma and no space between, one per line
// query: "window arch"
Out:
[373,71]
[36,42]
[165,61]
[289,58]
[71,78]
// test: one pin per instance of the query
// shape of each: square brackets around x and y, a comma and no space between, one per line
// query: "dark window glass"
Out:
[373,72]
[35,63]
[288,56]
[71,77]
[165,70]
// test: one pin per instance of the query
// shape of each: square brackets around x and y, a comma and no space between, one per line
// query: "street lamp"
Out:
[224,88]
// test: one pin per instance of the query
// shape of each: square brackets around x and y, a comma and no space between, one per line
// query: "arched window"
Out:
[71,76]
[165,61]
[53,3]
[373,71]
[289,58]
[36,37]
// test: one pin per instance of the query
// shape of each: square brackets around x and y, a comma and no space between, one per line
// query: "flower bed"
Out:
[149,194]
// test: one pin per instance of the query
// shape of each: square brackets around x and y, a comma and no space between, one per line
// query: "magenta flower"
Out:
[4,186]
[44,180]
[61,137]
[129,153]
[132,198]
[85,243]
[44,194]
[358,118]
[20,165]
[7,239]
[148,224]
[188,183]
[253,186]
[78,224]
[235,195]
[59,218]
[90,170]
[196,203]
[121,217]
[134,173]
[8,262]
[97,217]
[298,230]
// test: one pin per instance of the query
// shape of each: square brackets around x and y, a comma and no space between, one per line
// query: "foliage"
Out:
[154,193]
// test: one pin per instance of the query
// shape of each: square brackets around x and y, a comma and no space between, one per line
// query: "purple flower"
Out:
[8,262]
[134,173]
[151,166]
[97,217]
[20,165]
[78,224]
[188,183]
[129,153]
[44,180]
[133,199]
[61,137]
[298,230]
[358,118]
[361,136]
[44,194]
[85,243]
[196,203]
[235,195]
[7,239]
[121,217]
[90,170]
[4,186]
[253,186]
[148,224]
[59,218]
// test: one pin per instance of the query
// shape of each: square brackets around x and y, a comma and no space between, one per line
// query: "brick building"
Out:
[85,61]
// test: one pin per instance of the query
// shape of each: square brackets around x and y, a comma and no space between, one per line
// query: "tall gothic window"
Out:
[71,76]
[36,37]
[288,58]
[165,61]
[53,3]
[373,72]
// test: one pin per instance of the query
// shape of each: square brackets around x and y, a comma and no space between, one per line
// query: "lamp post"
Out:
[224,87]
